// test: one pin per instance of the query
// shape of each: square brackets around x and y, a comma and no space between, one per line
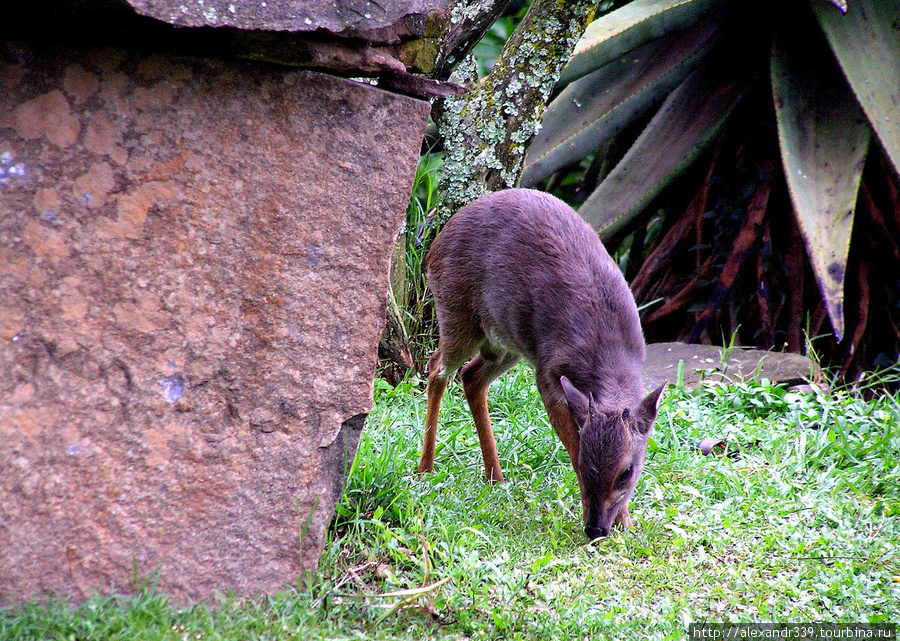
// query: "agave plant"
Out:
[683,66]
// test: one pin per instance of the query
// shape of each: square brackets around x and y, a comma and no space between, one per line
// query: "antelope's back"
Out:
[526,267]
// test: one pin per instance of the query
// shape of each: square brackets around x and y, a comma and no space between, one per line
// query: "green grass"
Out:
[799,524]
[419,230]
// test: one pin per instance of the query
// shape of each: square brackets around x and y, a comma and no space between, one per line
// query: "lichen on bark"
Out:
[487,131]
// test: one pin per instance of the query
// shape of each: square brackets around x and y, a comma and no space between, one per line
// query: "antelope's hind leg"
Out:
[477,377]
[457,344]
[437,384]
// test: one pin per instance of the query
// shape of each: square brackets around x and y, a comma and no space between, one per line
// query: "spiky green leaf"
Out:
[628,28]
[866,42]
[593,109]
[689,118]
[824,138]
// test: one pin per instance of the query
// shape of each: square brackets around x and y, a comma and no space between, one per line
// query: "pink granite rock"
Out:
[193,266]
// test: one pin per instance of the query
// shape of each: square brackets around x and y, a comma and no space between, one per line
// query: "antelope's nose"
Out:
[595,532]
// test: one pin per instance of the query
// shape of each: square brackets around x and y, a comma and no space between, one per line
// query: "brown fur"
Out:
[518,274]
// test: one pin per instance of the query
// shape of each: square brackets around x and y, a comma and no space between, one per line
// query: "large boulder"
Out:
[193,267]
[350,37]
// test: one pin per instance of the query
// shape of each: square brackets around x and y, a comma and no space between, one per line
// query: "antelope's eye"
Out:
[625,414]
[625,476]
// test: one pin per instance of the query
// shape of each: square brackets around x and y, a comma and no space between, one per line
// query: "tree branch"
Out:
[487,131]
[470,21]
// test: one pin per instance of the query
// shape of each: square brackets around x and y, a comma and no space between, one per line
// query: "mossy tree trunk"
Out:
[487,131]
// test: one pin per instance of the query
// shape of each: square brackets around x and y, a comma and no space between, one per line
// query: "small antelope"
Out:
[518,273]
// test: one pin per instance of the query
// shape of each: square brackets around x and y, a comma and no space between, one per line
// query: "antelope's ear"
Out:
[578,403]
[646,411]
